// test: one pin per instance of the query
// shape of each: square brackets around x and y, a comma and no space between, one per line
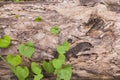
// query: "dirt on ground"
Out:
[91,26]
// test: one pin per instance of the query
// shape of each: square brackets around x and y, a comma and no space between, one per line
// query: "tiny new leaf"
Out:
[26,49]
[38,19]
[16,0]
[14,60]
[5,42]
[64,73]
[35,68]
[63,48]
[57,63]
[54,30]
[38,77]
[21,72]
[48,67]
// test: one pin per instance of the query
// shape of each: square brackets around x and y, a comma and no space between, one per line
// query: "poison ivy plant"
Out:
[13,60]
[5,41]
[48,67]
[21,72]
[54,30]
[26,49]
[38,19]
[63,48]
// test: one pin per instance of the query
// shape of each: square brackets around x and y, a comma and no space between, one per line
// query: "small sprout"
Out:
[16,0]
[54,30]
[38,77]
[61,73]
[26,49]
[48,67]
[21,72]
[35,68]
[37,71]
[5,42]
[57,63]
[38,19]
[63,48]
[14,60]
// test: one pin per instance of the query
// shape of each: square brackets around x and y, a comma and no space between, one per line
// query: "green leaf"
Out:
[38,19]
[29,43]
[21,72]
[56,71]
[14,60]
[63,48]
[26,50]
[5,42]
[35,68]
[57,63]
[54,30]
[48,67]
[38,77]
[16,0]
[65,73]
[62,58]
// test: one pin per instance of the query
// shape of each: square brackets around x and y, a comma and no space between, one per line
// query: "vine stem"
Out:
[3,59]
[12,68]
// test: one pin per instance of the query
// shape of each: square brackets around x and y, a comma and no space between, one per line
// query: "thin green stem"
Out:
[3,59]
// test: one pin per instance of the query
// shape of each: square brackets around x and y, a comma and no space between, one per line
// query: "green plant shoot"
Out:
[21,72]
[35,68]
[64,73]
[38,19]
[57,63]
[37,71]
[48,67]
[63,48]
[54,30]
[13,60]
[26,49]
[38,77]
[5,42]
[16,0]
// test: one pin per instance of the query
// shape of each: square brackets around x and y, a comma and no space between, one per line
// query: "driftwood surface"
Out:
[91,26]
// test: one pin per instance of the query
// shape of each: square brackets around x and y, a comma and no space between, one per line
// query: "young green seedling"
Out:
[38,19]
[48,67]
[26,49]
[35,68]
[61,71]
[21,72]
[5,42]
[64,73]
[16,0]
[57,63]
[63,48]
[14,60]
[38,77]
[37,71]
[54,30]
